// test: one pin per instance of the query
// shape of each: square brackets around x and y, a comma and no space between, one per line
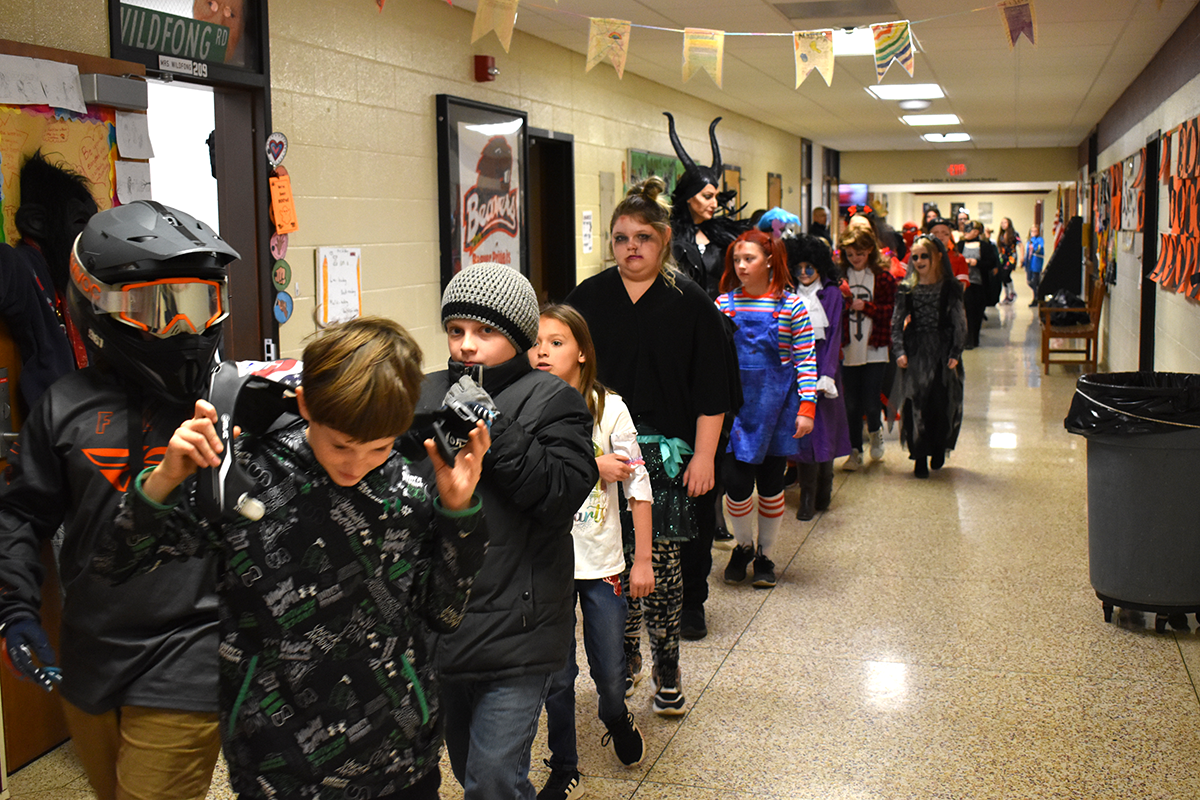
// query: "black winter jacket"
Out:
[538,472]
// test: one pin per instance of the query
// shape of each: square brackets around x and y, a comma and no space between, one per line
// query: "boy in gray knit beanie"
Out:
[519,624]
[492,296]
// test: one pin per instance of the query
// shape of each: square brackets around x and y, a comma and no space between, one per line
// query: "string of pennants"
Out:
[704,49]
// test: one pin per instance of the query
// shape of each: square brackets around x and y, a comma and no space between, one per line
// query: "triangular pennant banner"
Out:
[1018,19]
[495,15]
[608,38]
[893,42]
[703,49]
[814,50]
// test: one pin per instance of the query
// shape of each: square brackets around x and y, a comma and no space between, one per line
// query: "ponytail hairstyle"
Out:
[591,389]
[776,255]
[645,202]
[860,237]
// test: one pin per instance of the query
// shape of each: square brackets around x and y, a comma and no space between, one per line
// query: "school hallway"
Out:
[926,639]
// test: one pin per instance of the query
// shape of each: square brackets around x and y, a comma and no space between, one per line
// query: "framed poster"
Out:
[643,164]
[482,174]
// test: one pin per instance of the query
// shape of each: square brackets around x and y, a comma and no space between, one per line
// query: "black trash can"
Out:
[1143,457]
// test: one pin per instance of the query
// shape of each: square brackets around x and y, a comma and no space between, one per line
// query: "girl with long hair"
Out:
[774,341]
[929,332]
[1009,244]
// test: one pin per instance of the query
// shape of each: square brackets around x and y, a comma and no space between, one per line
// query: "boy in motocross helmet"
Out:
[139,661]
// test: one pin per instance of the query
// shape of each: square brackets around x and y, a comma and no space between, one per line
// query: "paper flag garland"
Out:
[703,49]
[814,50]
[893,42]
[608,38]
[497,15]
[1018,19]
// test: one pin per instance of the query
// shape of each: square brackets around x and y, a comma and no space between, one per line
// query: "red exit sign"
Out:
[956,169]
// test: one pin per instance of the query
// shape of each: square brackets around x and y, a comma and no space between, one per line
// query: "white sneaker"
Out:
[853,461]
[877,445]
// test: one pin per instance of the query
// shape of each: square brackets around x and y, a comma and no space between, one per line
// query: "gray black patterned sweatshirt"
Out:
[327,686]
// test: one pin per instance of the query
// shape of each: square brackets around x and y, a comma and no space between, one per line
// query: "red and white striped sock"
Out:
[740,519]
[770,517]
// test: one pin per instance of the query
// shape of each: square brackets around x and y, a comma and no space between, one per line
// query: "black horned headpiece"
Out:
[694,177]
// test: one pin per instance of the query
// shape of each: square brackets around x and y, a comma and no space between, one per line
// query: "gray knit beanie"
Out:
[497,295]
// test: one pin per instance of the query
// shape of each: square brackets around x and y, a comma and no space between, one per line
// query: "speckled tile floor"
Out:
[927,639]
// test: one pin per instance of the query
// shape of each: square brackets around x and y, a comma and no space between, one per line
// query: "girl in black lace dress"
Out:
[929,328]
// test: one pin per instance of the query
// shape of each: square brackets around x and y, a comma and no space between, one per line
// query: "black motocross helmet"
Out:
[149,292]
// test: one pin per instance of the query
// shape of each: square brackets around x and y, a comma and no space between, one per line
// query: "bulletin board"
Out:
[85,143]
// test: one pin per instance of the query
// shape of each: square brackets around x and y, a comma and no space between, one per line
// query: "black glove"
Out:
[24,639]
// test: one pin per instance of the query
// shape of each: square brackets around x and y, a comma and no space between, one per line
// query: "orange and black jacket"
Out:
[150,642]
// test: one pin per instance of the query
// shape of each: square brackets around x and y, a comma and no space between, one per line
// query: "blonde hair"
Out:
[363,378]
[645,202]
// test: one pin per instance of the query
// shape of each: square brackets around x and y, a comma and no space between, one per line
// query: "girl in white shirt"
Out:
[564,348]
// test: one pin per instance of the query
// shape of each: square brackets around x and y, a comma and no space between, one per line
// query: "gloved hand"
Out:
[470,402]
[826,384]
[24,639]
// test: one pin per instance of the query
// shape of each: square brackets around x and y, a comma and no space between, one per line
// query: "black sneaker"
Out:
[668,699]
[739,559]
[563,784]
[764,572]
[626,740]
[692,625]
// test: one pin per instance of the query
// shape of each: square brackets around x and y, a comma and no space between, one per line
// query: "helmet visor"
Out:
[167,307]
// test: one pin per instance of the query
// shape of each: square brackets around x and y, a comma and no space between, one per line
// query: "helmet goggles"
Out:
[161,308]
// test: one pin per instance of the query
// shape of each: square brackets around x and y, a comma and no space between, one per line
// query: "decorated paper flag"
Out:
[703,49]
[608,38]
[497,15]
[814,50]
[893,42]
[1018,19]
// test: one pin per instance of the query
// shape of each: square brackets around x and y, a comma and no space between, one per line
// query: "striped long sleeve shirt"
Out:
[796,342]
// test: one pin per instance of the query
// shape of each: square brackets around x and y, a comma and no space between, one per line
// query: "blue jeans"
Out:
[489,727]
[603,640]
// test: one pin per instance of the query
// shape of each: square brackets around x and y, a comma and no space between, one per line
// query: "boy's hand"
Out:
[194,444]
[641,579]
[456,484]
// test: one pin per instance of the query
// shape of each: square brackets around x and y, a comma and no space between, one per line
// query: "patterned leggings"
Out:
[661,611]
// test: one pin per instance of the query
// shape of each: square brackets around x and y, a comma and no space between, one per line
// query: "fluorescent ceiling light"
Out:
[903,91]
[942,138]
[854,42]
[931,119]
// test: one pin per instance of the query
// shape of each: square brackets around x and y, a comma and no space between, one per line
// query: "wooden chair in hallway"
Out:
[1069,337]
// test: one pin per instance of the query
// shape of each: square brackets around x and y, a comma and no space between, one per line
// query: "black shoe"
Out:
[626,739]
[790,476]
[920,469]
[563,784]
[937,460]
[739,559]
[764,572]
[723,539]
[1033,304]
[691,624]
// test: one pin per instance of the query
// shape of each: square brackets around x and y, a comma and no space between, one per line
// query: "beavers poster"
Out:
[490,202]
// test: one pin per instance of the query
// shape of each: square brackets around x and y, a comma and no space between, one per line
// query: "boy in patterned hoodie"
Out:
[327,601]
